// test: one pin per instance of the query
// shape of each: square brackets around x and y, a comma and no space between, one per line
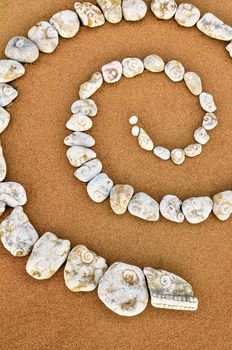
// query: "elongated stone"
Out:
[178,156]
[134,10]
[209,121]
[17,234]
[197,209]
[145,141]
[79,138]
[207,102]
[99,187]
[120,197]
[10,70]
[170,208]
[187,15]
[193,83]
[3,167]
[212,26]
[222,205]
[135,130]
[144,207]
[45,36]
[22,49]
[66,23]
[4,119]
[89,170]
[86,106]
[193,150]
[79,122]
[78,155]
[132,67]
[112,72]
[164,9]
[123,289]
[91,86]
[47,256]
[154,63]
[83,269]
[162,152]
[111,9]
[229,48]
[7,94]
[90,15]
[11,194]
[174,70]
[201,136]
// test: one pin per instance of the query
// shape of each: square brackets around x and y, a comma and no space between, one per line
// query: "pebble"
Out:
[178,156]
[86,106]
[154,63]
[66,23]
[193,83]
[47,256]
[133,120]
[174,70]
[111,9]
[135,130]
[222,205]
[170,208]
[22,49]
[214,27]
[193,150]
[3,167]
[197,209]
[79,122]
[123,289]
[132,67]
[201,136]
[229,48]
[144,207]
[207,102]
[112,72]
[17,234]
[88,170]
[90,15]
[7,94]
[78,155]
[90,87]
[99,187]
[11,194]
[134,10]
[164,9]
[187,15]
[145,141]
[10,70]
[83,269]
[162,152]
[209,121]
[169,291]
[79,138]
[45,36]
[4,119]
[120,197]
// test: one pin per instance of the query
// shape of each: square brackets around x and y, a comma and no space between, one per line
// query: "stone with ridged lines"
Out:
[45,36]
[90,15]
[10,70]
[22,49]
[120,197]
[78,155]
[99,187]
[66,23]
[212,26]
[164,9]
[112,10]
[144,207]
[222,205]
[197,209]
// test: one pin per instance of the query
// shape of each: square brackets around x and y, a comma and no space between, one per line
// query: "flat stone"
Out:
[133,120]
[201,136]
[174,70]
[79,138]
[135,130]
[120,197]
[209,121]
[162,152]
[207,102]
[197,209]
[12,194]
[66,23]
[86,106]
[112,72]
[4,119]
[99,187]
[214,27]
[144,207]
[193,83]
[170,208]
[79,122]
[154,63]
[91,86]
[193,150]
[10,70]
[88,170]
[164,9]
[3,167]
[222,205]
[178,156]
[132,67]
[45,36]
[134,10]
[22,49]
[90,15]
[78,155]
[7,94]
[187,15]
[111,9]
[145,141]
[229,48]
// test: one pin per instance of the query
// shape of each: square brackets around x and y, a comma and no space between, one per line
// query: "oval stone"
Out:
[197,209]
[66,23]
[207,102]
[45,36]
[79,138]
[132,67]
[209,121]
[79,122]
[86,106]
[193,150]
[174,70]
[78,155]
[111,9]
[154,63]
[164,9]
[212,26]
[120,197]
[134,10]
[88,170]
[7,94]
[222,205]
[170,208]
[144,207]
[112,72]
[99,187]
[193,83]
[187,15]
[201,136]
[10,70]
[162,152]
[22,49]
[145,141]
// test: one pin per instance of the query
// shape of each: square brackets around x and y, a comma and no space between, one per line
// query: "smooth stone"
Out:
[91,86]
[222,205]
[187,15]
[22,49]
[17,234]
[99,187]
[144,207]
[134,10]
[45,36]
[79,122]
[201,136]
[154,63]
[209,121]
[164,9]
[78,155]
[132,67]
[112,72]
[135,130]
[178,156]
[133,120]
[207,102]
[7,94]
[83,270]
[193,83]
[66,23]
[111,9]
[12,194]
[3,167]
[162,152]
[145,141]
[86,106]
[193,150]
[90,15]
[79,138]
[10,70]
[47,256]
[123,289]
[229,48]
[120,197]
[197,209]
[88,170]
[4,119]
[174,70]
[170,208]
[169,291]
[214,27]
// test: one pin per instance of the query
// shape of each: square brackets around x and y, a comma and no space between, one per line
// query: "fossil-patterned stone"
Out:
[229,48]
[132,67]
[17,234]
[197,209]
[86,106]
[169,291]
[91,86]
[66,23]
[22,49]
[99,187]
[78,155]
[123,289]
[222,205]
[10,70]
[90,15]
[187,15]
[145,141]
[134,10]
[111,9]
[83,269]
[174,70]
[162,152]
[133,120]
[201,136]
[214,27]
[154,63]
[193,83]
[4,119]
[209,121]
[178,156]
[135,130]
[47,256]
[3,167]
[120,197]
[164,9]
[89,170]
[112,72]
[193,150]
[7,94]
[11,194]
[144,207]
[79,138]
[79,122]
[45,36]
[170,208]
[207,102]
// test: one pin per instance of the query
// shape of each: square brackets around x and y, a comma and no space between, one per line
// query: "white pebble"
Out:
[4,119]
[187,15]
[79,138]
[22,49]
[144,207]
[10,70]
[197,209]
[174,70]
[201,136]
[45,36]
[214,27]
[120,197]
[7,94]
[162,152]
[3,167]
[164,9]
[133,120]
[170,208]
[99,188]
[193,83]
[78,155]
[132,67]
[207,102]
[222,205]
[145,141]
[111,9]
[193,150]
[11,194]
[112,72]
[154,63]
[91,86]
[86,106]
[135,130]
[90,15]
[209,121]
[66,23]
[134,10]
[79,122]
[88,170]
[178,156]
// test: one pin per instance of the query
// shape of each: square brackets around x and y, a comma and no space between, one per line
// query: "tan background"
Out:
[46,315]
